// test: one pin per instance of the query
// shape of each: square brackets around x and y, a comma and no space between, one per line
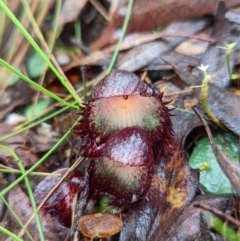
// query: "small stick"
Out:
[83,76]
[218,213]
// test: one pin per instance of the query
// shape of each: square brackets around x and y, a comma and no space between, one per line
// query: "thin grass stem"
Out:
[10,234]
[30,192]
[124,28]
[37,48]
[35,85]
[13,184]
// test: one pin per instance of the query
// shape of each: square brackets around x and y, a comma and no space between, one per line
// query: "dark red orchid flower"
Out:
[122,100]
[125,126]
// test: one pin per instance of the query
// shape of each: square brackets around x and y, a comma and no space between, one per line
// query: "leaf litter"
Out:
[168,209]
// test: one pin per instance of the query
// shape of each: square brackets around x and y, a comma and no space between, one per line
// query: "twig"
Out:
[218,213]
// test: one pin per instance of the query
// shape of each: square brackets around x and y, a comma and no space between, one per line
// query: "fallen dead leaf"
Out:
[143,55]
[171,191]
[70,11]
[20,204]
[146,16]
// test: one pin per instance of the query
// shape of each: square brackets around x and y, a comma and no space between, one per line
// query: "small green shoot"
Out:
[234,76]
[204,95]
[104,206]
[229,49]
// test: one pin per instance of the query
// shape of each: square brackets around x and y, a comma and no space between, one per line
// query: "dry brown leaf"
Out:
[155,13]
[20,204]
[170,193]
[70,11]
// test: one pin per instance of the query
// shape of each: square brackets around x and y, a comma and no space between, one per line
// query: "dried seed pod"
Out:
[122,100]
[101,225]
[59,205]
[124,167]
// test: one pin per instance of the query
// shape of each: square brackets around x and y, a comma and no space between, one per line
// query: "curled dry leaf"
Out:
[20,204]
[101,225]
[60,204]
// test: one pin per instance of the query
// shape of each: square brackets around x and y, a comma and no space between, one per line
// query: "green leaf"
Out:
[105,207]
[12,79]
[35,65]
[234,76]
[30,112]
[212,178]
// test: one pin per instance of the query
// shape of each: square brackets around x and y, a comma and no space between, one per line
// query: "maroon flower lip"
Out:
[122,100]
[123,167]
[129,146]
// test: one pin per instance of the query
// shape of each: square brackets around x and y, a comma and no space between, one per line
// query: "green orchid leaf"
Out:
[35,65]
[212,178]
[30,111]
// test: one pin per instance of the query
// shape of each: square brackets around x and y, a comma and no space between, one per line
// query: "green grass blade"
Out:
[35,85]
[11,16]
[224,229]
[77,29]
[16,218]
[2,21]
[10,234]
[34,124]
[124,28]
[28,185]
[57,12]
[13,184]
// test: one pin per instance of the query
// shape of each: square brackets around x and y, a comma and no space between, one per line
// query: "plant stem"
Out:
[124,28]
[204,95]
